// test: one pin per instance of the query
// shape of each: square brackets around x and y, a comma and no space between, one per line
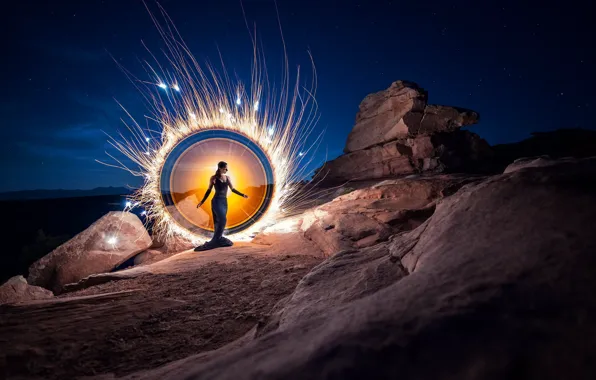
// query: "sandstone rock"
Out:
[17,290]
[444,119]
[367,216]
[149,256]
[173,244]
[500,286]
[108,242]
[346,276]
[387,115]
[381,161]
[529,162]
[462,152]
[397,133]
[286,238]
[457,151]
[400,112]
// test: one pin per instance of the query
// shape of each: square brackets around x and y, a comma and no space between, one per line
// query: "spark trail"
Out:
[185,98]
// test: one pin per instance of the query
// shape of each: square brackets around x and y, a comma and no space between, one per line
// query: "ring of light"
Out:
[168,170]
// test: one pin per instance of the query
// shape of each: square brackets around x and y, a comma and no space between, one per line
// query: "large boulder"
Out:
[107,243]
[400,112]
[497,284]
[17,290]
[387,115]
[397,133]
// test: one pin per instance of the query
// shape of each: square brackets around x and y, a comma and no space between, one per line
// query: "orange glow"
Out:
[193,169]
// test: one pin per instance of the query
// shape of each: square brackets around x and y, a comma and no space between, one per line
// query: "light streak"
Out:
[211,94]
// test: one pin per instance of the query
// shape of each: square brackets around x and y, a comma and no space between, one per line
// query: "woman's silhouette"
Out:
[219,206]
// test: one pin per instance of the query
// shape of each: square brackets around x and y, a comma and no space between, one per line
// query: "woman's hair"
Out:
[220,165]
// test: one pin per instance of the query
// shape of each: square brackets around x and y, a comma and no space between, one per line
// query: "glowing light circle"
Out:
[184,178]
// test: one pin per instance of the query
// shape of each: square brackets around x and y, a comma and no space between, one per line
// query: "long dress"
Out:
[219,207]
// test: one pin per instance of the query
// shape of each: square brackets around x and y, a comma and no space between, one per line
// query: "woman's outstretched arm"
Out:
[206,192]
[231,186]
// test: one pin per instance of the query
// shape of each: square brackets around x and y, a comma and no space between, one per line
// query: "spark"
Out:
[128,204]
[280,129]
[147,139]
[112,240]
[301,154]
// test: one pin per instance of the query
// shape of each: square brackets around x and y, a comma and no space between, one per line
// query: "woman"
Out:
[219,206]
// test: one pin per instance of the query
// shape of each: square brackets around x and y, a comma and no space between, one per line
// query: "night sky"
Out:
[524,67]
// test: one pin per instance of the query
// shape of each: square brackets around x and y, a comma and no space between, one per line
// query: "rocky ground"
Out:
[407,273]
[147,320]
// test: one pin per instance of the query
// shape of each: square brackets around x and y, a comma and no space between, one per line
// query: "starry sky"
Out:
[522,65]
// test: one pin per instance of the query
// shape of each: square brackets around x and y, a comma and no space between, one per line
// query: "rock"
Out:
[444,119]
[456,151]
[162,249]
[173,244]
[462,152]
[397,133]
[400,112]
[370,215]
[149,256]
[529,162]
[498,285]
[288,243]
[16,290]
[346,276]
[387,115]
[381,161]
[110,241]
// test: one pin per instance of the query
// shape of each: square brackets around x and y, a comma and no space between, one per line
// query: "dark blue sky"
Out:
[524,66]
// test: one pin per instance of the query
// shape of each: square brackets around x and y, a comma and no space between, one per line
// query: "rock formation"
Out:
[367,216]
[498,283]
[397,133]
[107,243]
[17,290]
[427,277]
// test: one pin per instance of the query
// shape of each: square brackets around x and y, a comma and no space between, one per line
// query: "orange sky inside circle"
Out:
[190,178]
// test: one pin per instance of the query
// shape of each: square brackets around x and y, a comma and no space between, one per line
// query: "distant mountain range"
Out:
[61,193]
